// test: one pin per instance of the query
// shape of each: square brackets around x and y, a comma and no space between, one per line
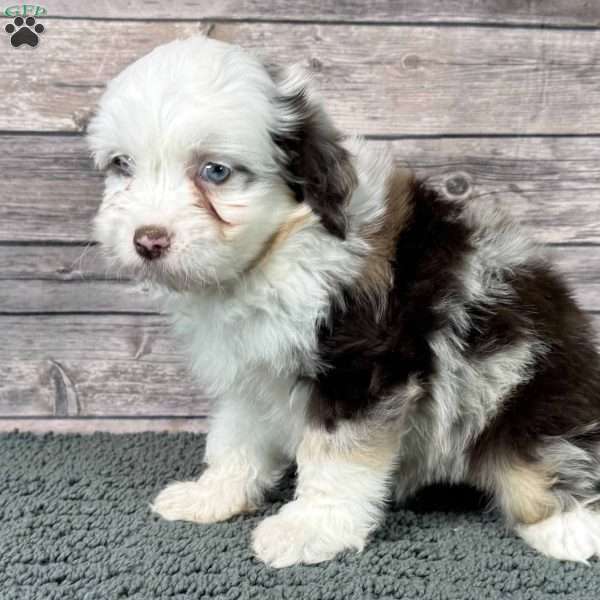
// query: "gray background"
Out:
[496,100]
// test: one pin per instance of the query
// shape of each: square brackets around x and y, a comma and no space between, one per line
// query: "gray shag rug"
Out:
[74,523]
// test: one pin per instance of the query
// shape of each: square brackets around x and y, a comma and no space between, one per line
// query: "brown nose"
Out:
[151,242]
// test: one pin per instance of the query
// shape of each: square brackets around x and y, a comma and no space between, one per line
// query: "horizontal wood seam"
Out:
[373,137]
[82,313]
[102,417]
[48,243]
[331,22]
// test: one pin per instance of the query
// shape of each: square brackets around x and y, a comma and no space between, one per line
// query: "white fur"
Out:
[309,532]
[572,535]
[339,499]
[253,438]
[220,493]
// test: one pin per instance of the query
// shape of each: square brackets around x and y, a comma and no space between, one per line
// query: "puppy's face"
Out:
[206,158]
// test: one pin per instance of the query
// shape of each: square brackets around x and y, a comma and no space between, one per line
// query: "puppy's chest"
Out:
[228,344]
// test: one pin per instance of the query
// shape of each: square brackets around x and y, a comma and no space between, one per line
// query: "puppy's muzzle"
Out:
[151,242]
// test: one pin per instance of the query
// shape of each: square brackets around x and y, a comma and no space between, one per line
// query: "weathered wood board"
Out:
[61,281]
[97,388]
[145,339]
[90,425]
[376,80]
[106,365]
[552,185]
[566,13]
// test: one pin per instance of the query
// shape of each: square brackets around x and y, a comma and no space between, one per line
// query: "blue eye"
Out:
[122,164]
[214,172]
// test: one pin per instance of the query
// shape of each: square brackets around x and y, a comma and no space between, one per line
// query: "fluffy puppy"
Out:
[343,315]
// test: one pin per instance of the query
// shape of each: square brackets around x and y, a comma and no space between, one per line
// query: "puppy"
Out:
[343,315]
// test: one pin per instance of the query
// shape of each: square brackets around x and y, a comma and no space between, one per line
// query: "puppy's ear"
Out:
[314,163]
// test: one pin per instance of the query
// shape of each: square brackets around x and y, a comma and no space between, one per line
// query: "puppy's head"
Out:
[208,155]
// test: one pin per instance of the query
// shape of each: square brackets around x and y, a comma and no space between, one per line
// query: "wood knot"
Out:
[66,273]
[458,185]
[315,65]
[411,61]
[81,119]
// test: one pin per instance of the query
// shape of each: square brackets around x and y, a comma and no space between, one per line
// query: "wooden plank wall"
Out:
[494,100]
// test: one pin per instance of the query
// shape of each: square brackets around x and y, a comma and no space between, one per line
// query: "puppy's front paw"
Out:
[204,501]
[301,533]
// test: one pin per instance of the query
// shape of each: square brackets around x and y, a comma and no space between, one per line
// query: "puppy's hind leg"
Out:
[572,534]
[549,505]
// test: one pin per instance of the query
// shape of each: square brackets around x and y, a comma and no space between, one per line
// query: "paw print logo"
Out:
[24,32]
